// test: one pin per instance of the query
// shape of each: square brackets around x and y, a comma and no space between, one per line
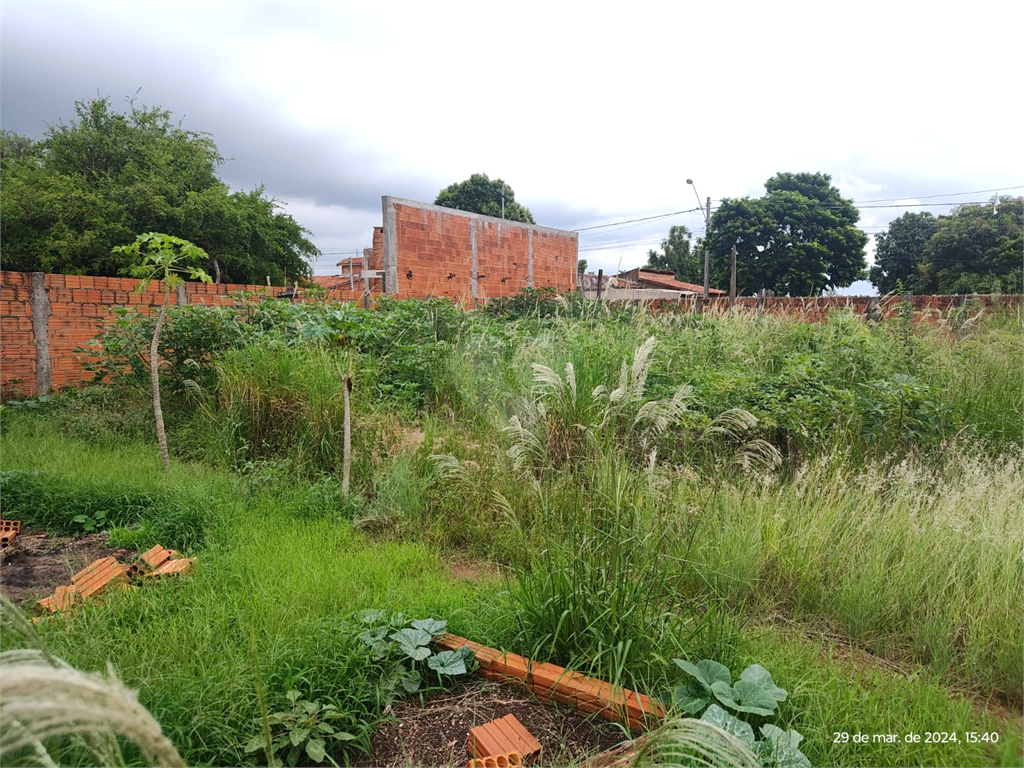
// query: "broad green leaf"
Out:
[369,616]
[731,725]
[413,637]
[298,735]
[706,672]
[256,742]
[373,637]
[315,750]
[311,707]
[745,696]
[692,697]
[293,696]
[433,626]
[411,681]
[344,736]
[755,673]
[447,663]
[415,652]
[293,756]
[780,748]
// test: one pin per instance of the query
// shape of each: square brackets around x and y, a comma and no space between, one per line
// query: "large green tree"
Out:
[900,251]
[976,249]
[678,256]
[479,194]
[799,239]
[94,183]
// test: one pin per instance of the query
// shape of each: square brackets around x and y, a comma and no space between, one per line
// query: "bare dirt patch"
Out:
[37,563]
[473,569]
[434,733]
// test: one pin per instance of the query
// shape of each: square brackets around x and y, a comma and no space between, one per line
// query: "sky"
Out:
[593,114]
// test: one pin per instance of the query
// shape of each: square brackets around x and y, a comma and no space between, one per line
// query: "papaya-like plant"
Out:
[165,258]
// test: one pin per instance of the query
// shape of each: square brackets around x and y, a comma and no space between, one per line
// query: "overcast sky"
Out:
[591,113]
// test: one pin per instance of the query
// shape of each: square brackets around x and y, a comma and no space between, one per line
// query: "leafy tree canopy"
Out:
[799,239]
[90,186]
[900,251]
[678,256]
[975,250]
[478,194]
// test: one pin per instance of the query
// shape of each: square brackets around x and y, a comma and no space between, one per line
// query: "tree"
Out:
[900,251]
[678,256]
[478,194]
[91,185]
[163,258]
[976,249]
[581,266]
[799,239]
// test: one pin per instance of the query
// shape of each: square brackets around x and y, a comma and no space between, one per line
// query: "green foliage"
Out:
[137,517]
[678,257]
[304,727]
[95,183]
[976,249]
[479,194]
[798,240]
[755,696]
[401,648]
[900,251]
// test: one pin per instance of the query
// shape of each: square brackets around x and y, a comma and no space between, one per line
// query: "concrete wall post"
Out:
[40,302]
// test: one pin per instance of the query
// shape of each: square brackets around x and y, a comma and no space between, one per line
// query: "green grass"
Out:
[880,529]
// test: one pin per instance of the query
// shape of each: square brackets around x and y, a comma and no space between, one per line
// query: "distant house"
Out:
[654,279]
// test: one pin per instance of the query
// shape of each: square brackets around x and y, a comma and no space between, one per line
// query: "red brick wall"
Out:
[79,306]
[817,308]
[432,249]
[17,340]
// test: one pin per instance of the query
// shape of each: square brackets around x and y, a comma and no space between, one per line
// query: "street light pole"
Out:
[707,231]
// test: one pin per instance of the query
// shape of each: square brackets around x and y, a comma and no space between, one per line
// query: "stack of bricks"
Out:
[100,575]
[549,683]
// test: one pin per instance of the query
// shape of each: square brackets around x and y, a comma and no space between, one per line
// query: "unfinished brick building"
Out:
[425,250]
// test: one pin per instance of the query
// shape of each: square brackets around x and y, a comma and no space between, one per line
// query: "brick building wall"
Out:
[72,309]
[430,251]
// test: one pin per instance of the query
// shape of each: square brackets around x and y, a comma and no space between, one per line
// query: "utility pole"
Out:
[732,278]
[707,252]
[707,231]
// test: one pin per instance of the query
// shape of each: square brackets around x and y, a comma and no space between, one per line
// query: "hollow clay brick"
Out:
[95,577]
[180,566]
[156,556]
[500,737]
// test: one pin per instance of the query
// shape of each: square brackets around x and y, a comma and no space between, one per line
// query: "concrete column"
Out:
[472,246]
[390,245]
[180,295]
[40,303]
[529,264]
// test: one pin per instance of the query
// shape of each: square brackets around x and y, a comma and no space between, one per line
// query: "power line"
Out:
[631,221]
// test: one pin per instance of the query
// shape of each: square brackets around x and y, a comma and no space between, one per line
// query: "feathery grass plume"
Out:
[40,700]
[42,696]
[686,741]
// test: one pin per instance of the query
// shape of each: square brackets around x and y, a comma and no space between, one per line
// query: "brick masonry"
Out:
[432,251]
[77,306]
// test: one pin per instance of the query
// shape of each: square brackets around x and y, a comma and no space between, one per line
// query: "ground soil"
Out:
[36,563]
[434,733]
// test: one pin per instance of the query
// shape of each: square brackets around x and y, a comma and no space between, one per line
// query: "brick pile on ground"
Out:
[100,575]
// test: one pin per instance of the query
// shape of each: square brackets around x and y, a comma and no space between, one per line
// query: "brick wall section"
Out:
[817,308]
[17,340]
[79,306]
[467,257]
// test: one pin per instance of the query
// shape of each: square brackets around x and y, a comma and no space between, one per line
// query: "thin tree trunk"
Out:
[346,462]
[154,374]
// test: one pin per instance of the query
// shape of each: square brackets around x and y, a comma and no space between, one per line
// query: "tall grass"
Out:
[918,560]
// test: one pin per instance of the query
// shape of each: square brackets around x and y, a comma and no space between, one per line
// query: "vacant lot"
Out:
[839,503]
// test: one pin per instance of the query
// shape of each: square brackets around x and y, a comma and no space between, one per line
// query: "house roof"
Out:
[667,280]
[330,282]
